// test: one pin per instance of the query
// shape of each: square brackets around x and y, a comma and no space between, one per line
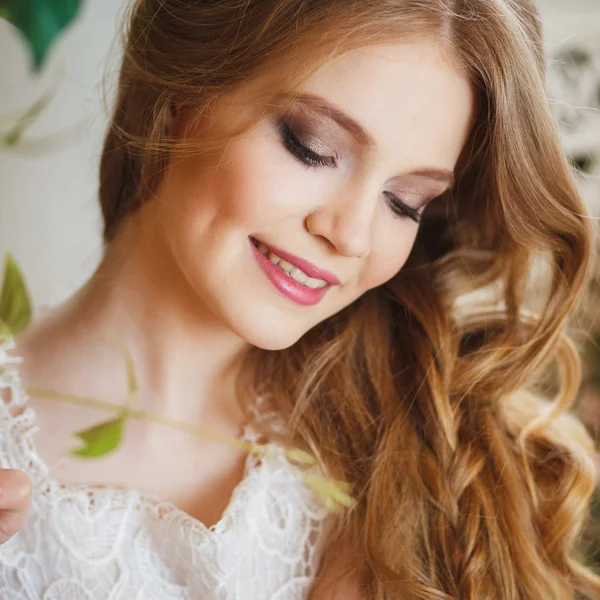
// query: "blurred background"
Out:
[49,215]
[49,218]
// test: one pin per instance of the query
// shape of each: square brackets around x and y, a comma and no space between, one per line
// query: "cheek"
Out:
[387,256]
[242,186]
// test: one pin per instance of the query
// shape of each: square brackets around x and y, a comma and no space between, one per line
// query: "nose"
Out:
[346,222]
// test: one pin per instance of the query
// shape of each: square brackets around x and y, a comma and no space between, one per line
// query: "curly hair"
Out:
[470,484]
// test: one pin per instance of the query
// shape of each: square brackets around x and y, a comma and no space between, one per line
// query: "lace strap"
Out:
[17,420]
[14,395]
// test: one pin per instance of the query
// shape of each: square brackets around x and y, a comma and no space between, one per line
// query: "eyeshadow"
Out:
[315,133]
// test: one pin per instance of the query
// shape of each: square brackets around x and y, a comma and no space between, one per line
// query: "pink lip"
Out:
[310,269]
[285,284]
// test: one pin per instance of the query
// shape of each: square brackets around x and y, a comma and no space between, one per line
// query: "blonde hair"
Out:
[469,483]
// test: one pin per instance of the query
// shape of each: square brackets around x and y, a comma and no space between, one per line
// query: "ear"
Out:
[176,120]
[170,124]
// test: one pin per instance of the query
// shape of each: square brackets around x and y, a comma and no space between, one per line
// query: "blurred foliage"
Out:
[15,301]
[14,135]
[100,439]
[40,22]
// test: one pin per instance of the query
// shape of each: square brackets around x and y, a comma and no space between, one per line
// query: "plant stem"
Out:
[14,135]
[332,493]
[144,415]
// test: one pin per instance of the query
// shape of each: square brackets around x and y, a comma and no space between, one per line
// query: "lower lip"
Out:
[285,284]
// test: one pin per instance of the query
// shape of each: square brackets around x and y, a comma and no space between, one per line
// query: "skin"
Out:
[182,287]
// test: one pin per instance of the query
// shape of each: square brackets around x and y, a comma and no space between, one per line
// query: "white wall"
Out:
[570,19]
[49,218]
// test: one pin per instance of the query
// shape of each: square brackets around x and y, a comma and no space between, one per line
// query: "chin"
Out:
[266,329]
[269,338]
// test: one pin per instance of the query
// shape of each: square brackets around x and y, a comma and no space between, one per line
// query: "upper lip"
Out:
[308,268]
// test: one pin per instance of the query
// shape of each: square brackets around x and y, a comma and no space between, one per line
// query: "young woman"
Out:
[297,197]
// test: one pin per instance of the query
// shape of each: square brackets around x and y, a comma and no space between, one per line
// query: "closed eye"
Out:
[402,209]
[312,160]
[305,155]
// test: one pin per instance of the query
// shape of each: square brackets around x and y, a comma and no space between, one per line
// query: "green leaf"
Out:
[15,304]
[40,22]
[100,439]
[13,137]
[5,332]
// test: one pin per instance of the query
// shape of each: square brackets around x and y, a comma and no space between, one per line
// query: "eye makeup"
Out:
[308,156]
[313,154]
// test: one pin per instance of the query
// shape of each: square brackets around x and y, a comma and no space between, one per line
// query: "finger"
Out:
[15,489]
[15,500]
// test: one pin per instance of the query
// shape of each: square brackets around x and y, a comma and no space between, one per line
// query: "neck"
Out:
[186,360]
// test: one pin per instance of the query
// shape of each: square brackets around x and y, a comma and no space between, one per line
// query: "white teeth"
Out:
[284,265]
[294,272]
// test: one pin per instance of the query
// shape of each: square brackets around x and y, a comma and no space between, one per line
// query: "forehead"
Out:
[416,104]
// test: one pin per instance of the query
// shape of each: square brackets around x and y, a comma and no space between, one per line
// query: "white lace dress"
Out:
[100,543]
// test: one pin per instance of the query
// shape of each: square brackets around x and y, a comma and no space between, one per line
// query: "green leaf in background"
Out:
[100,439]
[4,332]
[15,304]
[40,21]
[13,137]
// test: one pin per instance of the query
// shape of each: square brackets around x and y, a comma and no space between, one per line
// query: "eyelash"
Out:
[312,160]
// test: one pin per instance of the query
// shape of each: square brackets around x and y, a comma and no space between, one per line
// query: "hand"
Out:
[15,500]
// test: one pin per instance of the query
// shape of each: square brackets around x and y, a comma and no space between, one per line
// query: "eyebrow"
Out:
[328,109]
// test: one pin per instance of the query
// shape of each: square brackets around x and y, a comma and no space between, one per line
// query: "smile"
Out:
[294,272]
[287,277]
[306,267]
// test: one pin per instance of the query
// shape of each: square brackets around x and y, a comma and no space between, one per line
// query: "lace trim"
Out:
[20,427]
[268,542]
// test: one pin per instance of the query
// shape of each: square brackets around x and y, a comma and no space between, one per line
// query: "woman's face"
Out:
[340,188]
